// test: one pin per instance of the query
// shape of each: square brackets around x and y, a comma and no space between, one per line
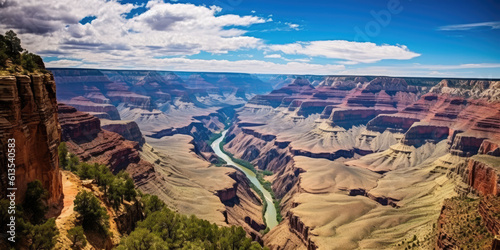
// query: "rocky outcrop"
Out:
[465,145]
[28,114]
[130,99]
[489,209]
[484,175]
[236,199]
[347,118]
[301,230]
[128,129]
[76,124]
[126,219]
[227,194]
[392,123]
[85,138]
[487,89]
[460,225]
[83,104]
[421,133]
[490,147]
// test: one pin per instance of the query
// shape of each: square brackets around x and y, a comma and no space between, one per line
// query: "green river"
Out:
[270,214]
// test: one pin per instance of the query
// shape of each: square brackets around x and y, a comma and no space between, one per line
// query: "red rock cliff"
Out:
[28,113]
[85,138]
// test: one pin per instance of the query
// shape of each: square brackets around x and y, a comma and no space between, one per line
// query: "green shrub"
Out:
[34,204]
[91,213]
[86,171]
[63,155]
[152,204]
[77,237]
[11,49]
[129,189]
[73,163]
[43,236]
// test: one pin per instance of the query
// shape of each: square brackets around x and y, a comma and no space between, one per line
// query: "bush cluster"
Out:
[166,229]
[161,229]
[34,231]
[116,188]
[12,51]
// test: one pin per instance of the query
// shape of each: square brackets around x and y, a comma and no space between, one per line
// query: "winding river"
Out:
[270,214]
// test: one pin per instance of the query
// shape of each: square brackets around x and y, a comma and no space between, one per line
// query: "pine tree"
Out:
[77,237]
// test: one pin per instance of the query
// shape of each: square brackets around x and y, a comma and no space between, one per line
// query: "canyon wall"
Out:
[382,143]
[28,114]
[86,139]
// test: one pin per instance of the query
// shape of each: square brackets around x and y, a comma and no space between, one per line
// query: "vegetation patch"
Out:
[16,60]
[461,221]
[162,228]
[33,230]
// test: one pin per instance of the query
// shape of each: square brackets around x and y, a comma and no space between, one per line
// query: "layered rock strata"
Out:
[28,114]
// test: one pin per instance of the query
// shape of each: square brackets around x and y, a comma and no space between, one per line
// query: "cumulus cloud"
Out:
[469,26]
[165,28]
[353,52]
[162,35]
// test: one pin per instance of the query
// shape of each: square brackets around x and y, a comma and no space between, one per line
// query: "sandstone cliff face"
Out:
[240,201]
[83,104]
[85,138]
[486,89]
[128,129]
[28,113]
[76,124]
[489,208]
[301,230]
[484,174]
[407,135]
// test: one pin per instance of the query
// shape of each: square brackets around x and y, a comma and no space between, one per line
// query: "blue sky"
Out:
[390,37]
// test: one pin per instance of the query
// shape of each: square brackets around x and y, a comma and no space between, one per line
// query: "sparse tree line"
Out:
[15,58]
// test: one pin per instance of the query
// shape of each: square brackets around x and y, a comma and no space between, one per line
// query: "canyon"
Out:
[354,161]
[366,162]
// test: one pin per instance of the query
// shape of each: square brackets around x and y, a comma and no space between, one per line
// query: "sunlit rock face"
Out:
[85,137]
[28,114]
[369,148]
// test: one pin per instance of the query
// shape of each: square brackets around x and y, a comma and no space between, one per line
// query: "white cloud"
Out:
[63,63]
[273,56]
[460,66]
[293,26]
[186,64]
[354,52]
[150,39]
[165,29]
[469,26]
[418,70]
